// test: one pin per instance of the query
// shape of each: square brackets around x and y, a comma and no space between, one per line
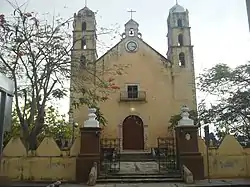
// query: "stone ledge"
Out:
[187,175]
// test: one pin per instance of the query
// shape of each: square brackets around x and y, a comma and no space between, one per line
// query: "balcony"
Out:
[133,96]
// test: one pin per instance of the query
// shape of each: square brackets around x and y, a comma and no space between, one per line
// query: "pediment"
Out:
[120,49]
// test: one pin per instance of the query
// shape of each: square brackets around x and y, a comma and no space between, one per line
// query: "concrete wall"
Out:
[47,163]
[229,160]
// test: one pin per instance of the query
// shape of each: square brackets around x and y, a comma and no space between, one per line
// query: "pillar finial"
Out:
[185,120]
[92,122]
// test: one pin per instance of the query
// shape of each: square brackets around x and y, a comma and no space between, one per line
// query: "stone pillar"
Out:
[89,148]
[187,145]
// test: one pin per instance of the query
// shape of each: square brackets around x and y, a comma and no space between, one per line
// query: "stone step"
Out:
[136,156]
[135,151]
[137,159]
[140,180]
[140,175]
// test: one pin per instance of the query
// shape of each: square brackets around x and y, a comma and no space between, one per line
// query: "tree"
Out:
[55,125]
[36,55]
[230,111]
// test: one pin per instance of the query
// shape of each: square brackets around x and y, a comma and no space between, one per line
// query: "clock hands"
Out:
[131,46]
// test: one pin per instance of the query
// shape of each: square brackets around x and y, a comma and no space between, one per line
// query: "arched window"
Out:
[179,23]
[84,26]
[83,61]
[180,40]
[182,59]
[83,43]
[131,32]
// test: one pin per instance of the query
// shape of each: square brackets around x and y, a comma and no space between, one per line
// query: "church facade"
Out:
[153,87]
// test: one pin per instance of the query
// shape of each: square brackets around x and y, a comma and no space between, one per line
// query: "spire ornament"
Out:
[131,13]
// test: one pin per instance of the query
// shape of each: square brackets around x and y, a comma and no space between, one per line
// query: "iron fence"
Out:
[110,155]
[166,155]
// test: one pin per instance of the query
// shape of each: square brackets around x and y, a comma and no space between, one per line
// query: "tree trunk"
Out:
[32,141]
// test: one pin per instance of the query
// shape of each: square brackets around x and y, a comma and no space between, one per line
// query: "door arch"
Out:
[133,133]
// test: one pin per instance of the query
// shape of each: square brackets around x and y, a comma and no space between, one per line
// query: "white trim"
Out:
[135,84]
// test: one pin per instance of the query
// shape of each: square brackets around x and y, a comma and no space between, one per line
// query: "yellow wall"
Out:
[47,163]
[165,94]
[230,160]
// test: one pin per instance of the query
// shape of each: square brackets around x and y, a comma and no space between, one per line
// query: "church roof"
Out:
[131,21]
[177,9]
[85,9]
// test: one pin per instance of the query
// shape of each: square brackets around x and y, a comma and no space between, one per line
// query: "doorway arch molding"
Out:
[145,127]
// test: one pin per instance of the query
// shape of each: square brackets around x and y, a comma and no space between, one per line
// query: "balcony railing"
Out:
[133,96]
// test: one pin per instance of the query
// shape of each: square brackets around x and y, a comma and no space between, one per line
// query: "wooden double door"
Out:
[133,133]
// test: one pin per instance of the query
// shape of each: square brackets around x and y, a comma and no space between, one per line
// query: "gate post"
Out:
[187,145]
[89,147]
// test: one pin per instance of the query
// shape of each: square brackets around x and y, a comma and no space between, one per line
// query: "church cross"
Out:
[131,13]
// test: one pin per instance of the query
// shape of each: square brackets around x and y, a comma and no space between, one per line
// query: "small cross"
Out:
[131,13]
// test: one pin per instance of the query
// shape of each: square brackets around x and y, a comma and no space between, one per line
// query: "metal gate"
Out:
[166,155]
[110,155]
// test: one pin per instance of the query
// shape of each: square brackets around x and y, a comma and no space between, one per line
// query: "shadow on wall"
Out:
[229,160]
[47,163]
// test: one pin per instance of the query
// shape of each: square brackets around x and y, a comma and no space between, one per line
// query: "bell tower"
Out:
[131,28]
[83,53]
[180,53]
[84,36]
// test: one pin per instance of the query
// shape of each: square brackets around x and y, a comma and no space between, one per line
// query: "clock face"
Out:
[132,46]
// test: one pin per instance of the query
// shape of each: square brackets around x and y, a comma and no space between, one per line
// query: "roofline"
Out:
[131,20]
[155,50]
[110,49]
[167,60]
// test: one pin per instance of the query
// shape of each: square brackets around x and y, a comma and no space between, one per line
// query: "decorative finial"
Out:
[184,112]
[185,121]
[177,2]
[131,13]
[91,122]
[85,3]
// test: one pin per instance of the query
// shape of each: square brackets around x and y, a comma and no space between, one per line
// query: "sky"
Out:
[219,28]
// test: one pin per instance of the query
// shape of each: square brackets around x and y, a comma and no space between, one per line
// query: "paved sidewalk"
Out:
[203,183]
[222,182]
